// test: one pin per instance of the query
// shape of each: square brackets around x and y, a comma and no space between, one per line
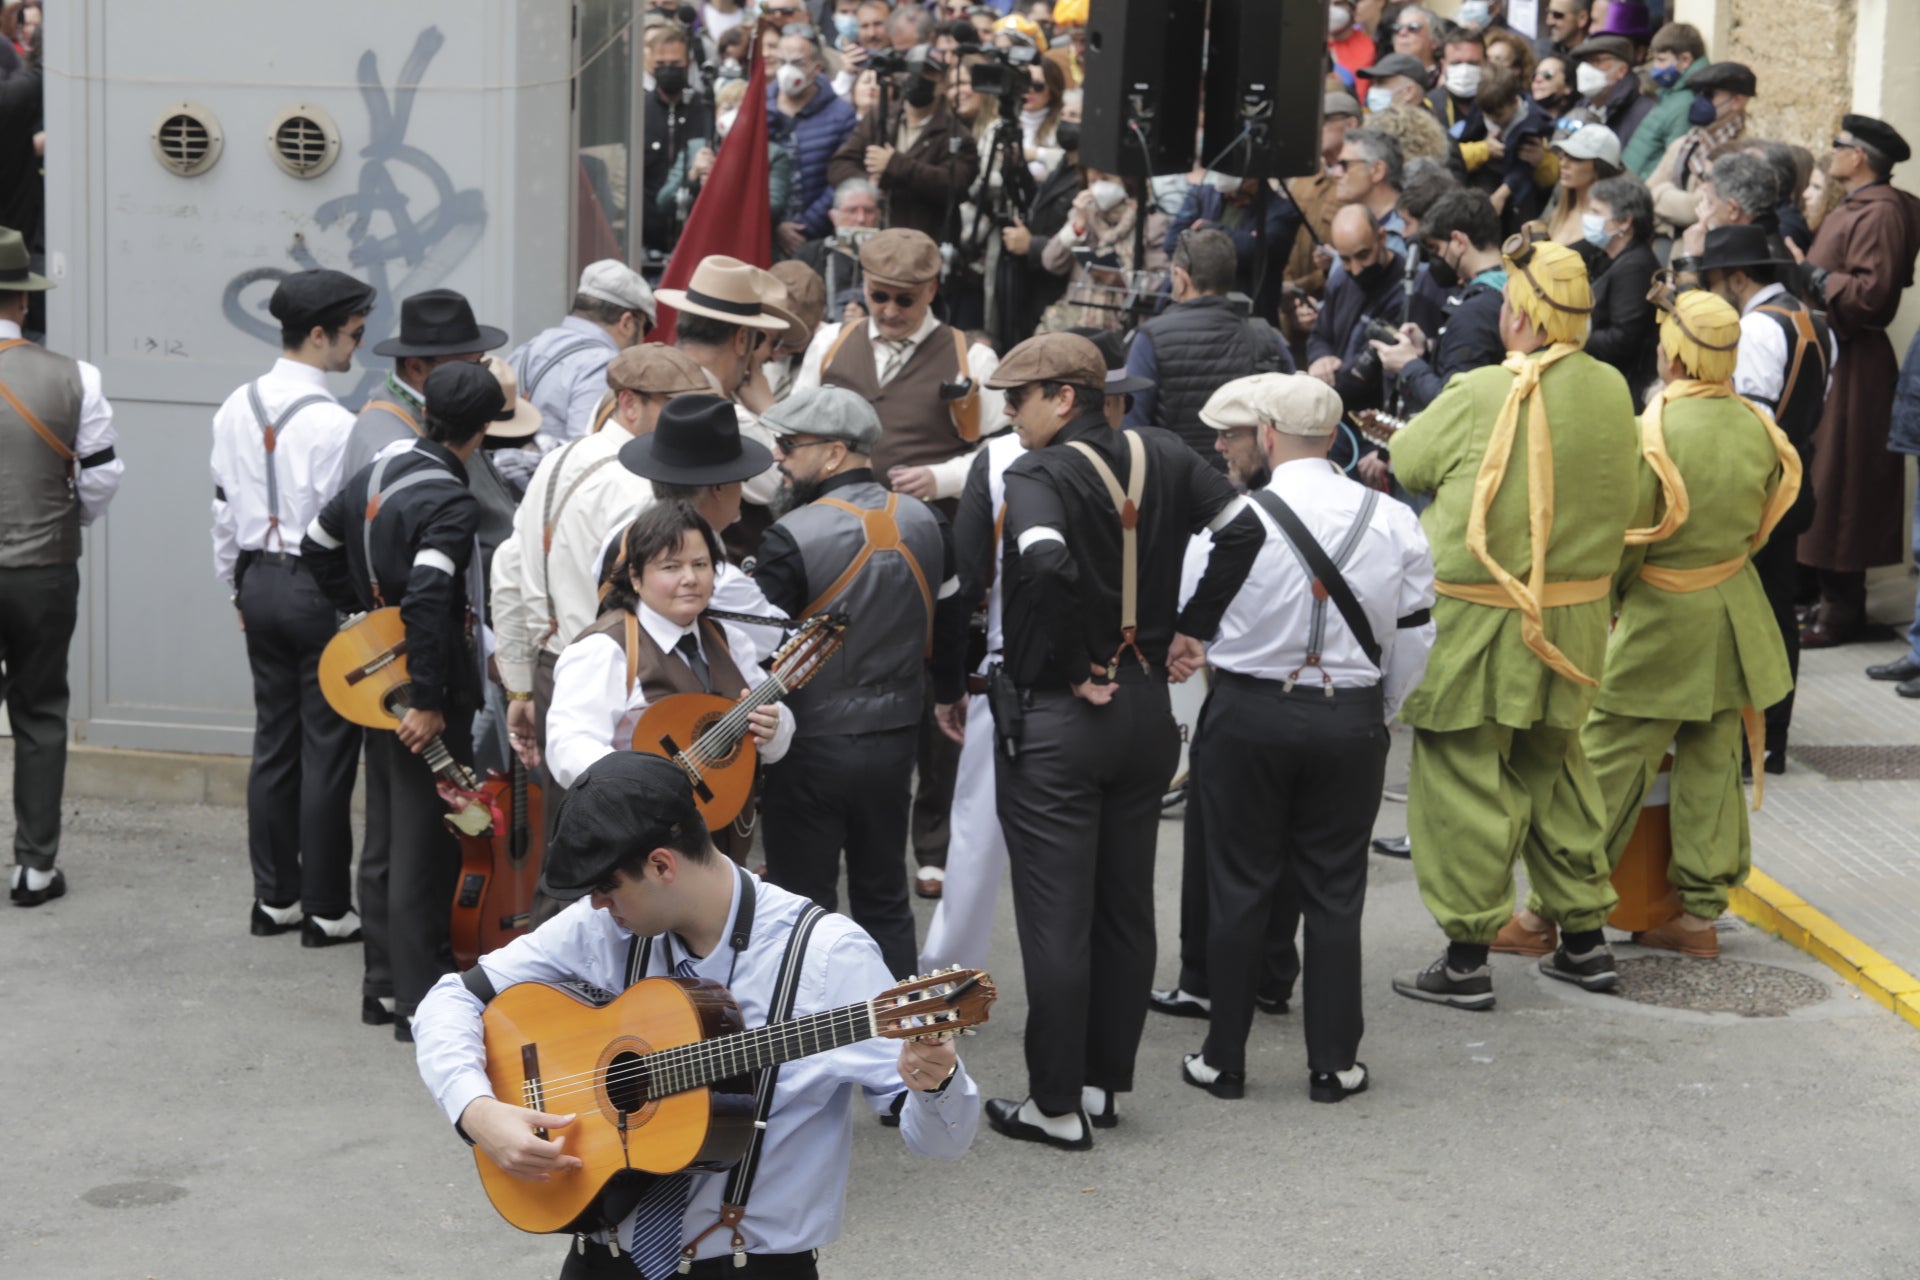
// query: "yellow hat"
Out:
[1070,13]
[1702,331]
[1020,24]
[1547,283]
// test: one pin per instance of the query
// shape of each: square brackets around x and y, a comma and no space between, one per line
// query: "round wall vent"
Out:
[305,141]
[187,139]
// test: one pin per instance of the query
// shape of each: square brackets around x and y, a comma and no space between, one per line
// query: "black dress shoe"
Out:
[1394,846]
[373,1013]
[1227,1084]
[402,1029]
[1908,688]
[1275,1005]
[56,888]
[1176,1003]
[312,935]
[1900,670]
[1325,1086]
[1004,1115]
[1108,1116]
[262,925]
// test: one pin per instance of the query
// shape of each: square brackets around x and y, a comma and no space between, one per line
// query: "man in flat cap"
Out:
[1097,523]
[1718,120]
[562,370]
[1526,558]
[435,327]
[58,472]
[401,533]
[1860,263]
[1609,91]
[278,443]
[657,900]
[885,560]
[906,363]
[1327,636]
[546,577]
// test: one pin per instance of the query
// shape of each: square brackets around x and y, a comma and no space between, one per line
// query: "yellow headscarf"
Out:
[1070,13]
[1702,331]
[1547,283]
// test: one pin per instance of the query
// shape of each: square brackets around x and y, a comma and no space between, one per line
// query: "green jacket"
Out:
[1688,655]
[1480,669]
[1667,121]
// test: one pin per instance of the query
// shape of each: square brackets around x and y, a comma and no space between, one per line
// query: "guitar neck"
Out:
[696,1066]
[446,768]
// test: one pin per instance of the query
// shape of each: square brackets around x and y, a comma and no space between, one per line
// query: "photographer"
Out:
[921,156]
[1461,239]
[1369,289]
[1025,244]
[1094,249]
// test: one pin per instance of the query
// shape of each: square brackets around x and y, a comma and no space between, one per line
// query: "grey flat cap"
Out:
[832,413]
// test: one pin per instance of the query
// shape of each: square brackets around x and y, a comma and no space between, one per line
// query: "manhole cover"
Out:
[1862,764]
[132,1195]
[1717,986]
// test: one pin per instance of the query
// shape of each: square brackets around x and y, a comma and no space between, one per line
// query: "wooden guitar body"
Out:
[721,785]
[499,871]
[363,670]
[537,1033]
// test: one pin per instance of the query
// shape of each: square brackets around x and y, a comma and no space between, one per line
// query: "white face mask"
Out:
[1339,18]
[1463,79]
[792,81]
[1108,193]
[1474,13]
[1589,79]
[725,121]
[1379,99]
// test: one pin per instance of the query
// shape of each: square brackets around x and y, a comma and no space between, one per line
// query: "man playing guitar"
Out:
[664,902]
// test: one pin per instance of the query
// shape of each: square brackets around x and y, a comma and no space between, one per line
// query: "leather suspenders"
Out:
[377,495]
[1127,507]
[270,430]
[40,428]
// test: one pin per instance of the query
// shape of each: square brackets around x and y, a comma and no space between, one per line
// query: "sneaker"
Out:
[1335,1086]
[1592,970]
[1515,939]
[1394,846]
[1438,984]
[1395,792]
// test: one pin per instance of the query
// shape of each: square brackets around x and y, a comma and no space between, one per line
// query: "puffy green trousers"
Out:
[1712,847]
[1480,796]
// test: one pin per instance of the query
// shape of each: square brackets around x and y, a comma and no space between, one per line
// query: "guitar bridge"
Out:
[675,754]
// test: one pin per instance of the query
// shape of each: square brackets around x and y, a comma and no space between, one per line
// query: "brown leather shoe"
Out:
[929,881]
[1701,944]
[1824,634]
[1515,939]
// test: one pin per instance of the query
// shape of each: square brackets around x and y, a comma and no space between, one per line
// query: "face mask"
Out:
[671,80]
[1589,79]
[919,94]
[732,70]
[847,26]
[1702,112]
[1379,99]
[1474,13]
[1339,18]
[792,81]
[1374,276]
[1107,194]
[1666,77]
[1225,183]
[1443,272]
[1463,79]
[725,122]
[1594,228]
[1067,134]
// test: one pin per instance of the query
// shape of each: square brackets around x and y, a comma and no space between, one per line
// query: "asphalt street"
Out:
[189,1101]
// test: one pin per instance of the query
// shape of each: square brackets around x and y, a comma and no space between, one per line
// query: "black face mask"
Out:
[671,80]
[1375,276]
[1067,135]
[1443,272]
[919,94]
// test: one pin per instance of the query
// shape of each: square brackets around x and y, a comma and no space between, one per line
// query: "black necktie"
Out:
[689,648]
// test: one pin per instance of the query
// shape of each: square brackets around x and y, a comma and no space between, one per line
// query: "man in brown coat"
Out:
[1859,264]
[922,178]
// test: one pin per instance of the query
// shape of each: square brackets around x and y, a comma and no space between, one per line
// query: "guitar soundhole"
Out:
[707,722]
[626,1082]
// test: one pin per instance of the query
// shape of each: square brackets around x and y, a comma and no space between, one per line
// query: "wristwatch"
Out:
[518,697]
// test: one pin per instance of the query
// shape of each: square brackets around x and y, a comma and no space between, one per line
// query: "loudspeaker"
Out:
[1143,69]
[1266,72]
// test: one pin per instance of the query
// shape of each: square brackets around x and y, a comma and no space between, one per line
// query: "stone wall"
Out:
[1802,53]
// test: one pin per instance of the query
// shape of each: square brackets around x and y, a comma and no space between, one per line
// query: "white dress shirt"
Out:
[95,485]
[948,476]
[606,500]
[306,463]
[594,713]
[734,591]
[1264,632]
[1760,368]
[799,1192]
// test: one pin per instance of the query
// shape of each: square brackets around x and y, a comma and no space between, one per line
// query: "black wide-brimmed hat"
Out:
[1745,245]
[440,322]
[697,441]
[1113,349]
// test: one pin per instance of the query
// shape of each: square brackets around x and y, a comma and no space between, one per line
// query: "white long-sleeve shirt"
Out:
[1760,369]
[594,713]
[1266,631]
[97,481]
[799,1192]
[306,463]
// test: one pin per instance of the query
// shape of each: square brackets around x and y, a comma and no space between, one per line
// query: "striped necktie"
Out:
[660,1217]
[897,353]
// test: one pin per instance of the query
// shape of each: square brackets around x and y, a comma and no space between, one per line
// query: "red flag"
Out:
[733,213]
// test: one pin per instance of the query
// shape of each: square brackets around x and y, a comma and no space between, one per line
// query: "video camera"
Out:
[996,77]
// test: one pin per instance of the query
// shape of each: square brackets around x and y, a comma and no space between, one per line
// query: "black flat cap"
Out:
[1611,46]
[465,394]
[1395,64]
[1879,135]
[625,803]
[307,298]
[1734,77]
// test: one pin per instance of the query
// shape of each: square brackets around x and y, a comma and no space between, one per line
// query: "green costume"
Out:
[1696,643]
[1497,767]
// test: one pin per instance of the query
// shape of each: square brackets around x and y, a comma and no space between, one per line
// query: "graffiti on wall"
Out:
[398,242]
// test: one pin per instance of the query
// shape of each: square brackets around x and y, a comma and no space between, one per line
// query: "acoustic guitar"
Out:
[363,676]
[708,736]
[500,869]
[661,1078]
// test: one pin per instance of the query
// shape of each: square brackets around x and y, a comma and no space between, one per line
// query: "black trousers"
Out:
[551,792]
[1290,783]
[408,868]
[1280,962]
[936,766]
[38,606]
[598,1262]
[851,792]
[1080,808]
[299,830]
[1780,577]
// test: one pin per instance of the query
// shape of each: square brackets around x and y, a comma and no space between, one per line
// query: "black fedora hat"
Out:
[439,322]
[1745,245]
[697,441]
[1113,349]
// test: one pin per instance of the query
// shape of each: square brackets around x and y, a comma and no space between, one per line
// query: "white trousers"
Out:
[962,927]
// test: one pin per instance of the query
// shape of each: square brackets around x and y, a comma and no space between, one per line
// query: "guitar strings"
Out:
[807,663]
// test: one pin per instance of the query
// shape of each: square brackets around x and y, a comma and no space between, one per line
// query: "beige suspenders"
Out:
[1126,505]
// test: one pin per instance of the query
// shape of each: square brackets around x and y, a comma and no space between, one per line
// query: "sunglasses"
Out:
[1409,28]
[783,445]
[1845,144]
[880,298]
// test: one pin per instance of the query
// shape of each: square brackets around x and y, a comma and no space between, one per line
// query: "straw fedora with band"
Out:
[519,420]
[723,289]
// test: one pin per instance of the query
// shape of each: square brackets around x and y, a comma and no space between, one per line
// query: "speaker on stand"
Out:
[1141,99]
[1266,79]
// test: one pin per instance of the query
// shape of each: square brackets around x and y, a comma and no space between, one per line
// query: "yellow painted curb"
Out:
[1767,904]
